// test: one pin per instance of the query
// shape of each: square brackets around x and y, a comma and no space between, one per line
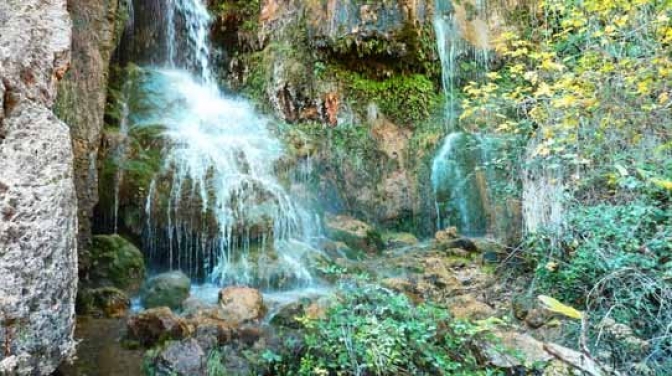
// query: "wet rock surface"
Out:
[241,304]
[153,325]
[183,358]
[97,25]
[355,233]
[103,301]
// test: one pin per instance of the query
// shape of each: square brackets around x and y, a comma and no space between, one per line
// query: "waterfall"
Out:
[450,46]
[459,185]
[458,174]
[120,153]
[217,209]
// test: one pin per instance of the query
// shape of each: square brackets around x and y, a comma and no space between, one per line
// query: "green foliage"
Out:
[215,365]
[244,11]
[602,239]
[588,80]
[406,99]
[411,48]
[614,261]
[372,331]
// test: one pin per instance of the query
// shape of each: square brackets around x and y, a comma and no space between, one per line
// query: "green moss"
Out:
[245,12]
[405,99]
[411,49]
[116,262]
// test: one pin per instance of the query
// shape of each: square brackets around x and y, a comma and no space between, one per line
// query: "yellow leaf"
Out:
[662,183]
[566,101]
[531,76]
[554,305]
[552,266]
[543,150]
[493,75]
[543,89]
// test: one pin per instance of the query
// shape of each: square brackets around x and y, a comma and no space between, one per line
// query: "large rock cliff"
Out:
[38,208]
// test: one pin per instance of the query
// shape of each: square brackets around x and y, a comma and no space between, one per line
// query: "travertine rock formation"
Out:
[38,208]
[82,94]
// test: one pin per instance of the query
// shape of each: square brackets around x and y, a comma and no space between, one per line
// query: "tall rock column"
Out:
[81,99]
[38,206]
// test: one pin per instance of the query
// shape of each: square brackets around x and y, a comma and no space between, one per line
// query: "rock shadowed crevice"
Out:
[97,27]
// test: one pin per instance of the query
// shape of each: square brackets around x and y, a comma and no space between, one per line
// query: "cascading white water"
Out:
[450,46]
[226,214]
[120,154]
[457,179]
[459,184]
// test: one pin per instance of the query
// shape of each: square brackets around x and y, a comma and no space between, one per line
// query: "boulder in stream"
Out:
[355,233]
[242,304]
[156,324]
[181,358]
[104,301]
[116,262]
[166,290]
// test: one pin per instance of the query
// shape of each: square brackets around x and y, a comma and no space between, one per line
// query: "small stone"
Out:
[105,301]
[355,233]
[156,324]
[538,317]
[500,354]
[468,307]
[181,358]
[521,306]
[399,239]
[446,235]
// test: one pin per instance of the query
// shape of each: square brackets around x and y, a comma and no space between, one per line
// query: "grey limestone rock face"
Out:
[38,208]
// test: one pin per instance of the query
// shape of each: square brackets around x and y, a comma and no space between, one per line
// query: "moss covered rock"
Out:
[399,239]
[166,290]
[355,233]
[103,301]
[116,262]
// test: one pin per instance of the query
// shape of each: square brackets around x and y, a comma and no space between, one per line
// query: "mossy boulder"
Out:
[103,301]
[116,262]
[399,239]
[355,233]
[166,290]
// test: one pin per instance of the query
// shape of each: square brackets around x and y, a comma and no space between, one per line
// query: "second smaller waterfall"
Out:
[460,184]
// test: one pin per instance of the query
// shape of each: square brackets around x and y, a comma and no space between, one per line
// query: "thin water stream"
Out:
[458,170]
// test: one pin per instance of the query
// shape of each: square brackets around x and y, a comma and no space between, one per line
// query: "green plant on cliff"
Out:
[406,99]
[244,11]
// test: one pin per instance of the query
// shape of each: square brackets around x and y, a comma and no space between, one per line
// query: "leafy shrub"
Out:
[614,261]
[372,331]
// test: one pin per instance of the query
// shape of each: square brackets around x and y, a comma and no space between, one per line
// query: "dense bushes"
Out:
[373,331]
[615,262]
